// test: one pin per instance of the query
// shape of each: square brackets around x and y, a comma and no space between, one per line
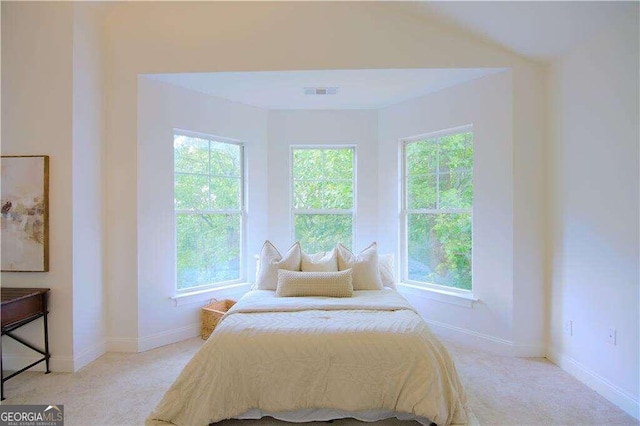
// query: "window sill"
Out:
[454,298]
[231,290]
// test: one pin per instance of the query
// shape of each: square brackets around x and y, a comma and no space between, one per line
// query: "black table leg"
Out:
[1,373]
[46,333]
[26,309]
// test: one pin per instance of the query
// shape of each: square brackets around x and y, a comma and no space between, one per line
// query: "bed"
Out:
[370,356]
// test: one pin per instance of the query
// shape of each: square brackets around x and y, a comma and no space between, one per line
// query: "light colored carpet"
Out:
[122,389]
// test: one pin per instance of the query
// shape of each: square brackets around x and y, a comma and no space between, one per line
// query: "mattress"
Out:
[277,356]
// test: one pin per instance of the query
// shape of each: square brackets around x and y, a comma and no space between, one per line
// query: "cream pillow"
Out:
[320,262]
[364,266]
[385,265]
[329,284]
[271,261]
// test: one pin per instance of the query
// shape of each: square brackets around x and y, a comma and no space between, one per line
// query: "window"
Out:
[323,197]
[209,209]
[437,209]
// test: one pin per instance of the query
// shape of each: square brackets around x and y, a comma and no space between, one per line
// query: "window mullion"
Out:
[438,174]
[323,211]
[320,180]
[202,212]
[439,211]
[323,155]
[209,172]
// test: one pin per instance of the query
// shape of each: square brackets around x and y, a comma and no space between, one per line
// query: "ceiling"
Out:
[539,30]
[357,89]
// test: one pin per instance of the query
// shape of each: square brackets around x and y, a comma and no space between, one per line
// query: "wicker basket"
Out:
[212,313]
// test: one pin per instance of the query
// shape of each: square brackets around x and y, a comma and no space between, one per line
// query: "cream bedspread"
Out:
[371,351]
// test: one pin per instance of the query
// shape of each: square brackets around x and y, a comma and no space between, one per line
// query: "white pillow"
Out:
[387,275]
[271,261]
[364,266]
[329,284]
[320,262]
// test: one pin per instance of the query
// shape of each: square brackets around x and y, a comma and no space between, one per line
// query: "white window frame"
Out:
[242,211]
[404,215]
[352,211]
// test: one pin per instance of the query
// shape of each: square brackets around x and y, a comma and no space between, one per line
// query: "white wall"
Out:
[53,105]
[594,243]
[529,201]
[485,103]
[88,139]
[168,37]
[161,108]
[346,127]
[37,87]
[215,36]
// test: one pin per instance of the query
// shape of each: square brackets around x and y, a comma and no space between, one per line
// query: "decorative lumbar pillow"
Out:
[364,266]
[329,284]
[320,262]
[271,261]
[385,265]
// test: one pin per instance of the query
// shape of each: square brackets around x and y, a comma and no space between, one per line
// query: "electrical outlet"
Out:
[568,328]
[611,336]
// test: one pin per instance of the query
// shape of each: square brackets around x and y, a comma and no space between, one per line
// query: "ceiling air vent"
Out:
[320,90]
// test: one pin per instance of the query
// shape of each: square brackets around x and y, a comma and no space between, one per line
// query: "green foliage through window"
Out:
[323,197]
[321,232]
[439,201]
[208,203]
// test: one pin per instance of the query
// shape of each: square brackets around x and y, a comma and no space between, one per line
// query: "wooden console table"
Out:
[21,306]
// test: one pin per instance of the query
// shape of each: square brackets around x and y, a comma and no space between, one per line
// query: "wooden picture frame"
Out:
[24,200]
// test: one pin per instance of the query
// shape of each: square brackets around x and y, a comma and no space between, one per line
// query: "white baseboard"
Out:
[122,344]
[596,382]
[168,337]
[474,338]
[89,355]
[483,341]
[58,364]
[529,351]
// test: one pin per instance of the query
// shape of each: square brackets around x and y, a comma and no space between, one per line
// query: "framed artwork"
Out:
[24,201]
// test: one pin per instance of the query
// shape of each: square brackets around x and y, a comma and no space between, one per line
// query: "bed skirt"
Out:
[324,414]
